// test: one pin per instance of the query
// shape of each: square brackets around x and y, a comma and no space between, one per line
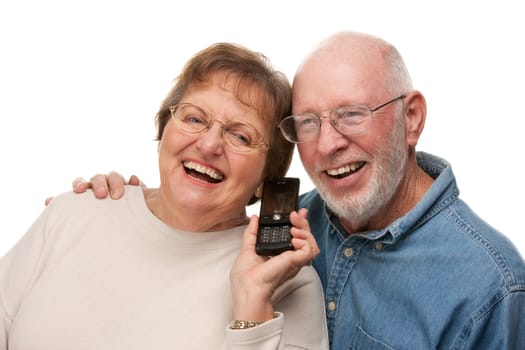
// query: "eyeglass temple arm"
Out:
[387,103]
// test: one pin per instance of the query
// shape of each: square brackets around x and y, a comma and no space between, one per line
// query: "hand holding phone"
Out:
[278,201]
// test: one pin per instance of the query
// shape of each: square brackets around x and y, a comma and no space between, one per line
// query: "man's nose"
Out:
[330,139]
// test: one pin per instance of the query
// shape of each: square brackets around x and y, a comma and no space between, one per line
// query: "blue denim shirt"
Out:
[437,278]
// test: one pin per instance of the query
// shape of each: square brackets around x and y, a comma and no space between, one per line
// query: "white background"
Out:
[81,81]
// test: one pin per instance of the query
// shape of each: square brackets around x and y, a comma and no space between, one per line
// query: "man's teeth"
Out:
[203,170]
[345,169]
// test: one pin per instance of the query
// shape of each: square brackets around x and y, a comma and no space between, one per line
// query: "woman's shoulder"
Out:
[88,198]
[76,206]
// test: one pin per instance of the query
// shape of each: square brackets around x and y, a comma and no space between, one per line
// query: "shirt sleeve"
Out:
[18,269]
[300,321]
[500,325]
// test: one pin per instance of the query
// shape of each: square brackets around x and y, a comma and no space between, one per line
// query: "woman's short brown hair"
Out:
[253,70]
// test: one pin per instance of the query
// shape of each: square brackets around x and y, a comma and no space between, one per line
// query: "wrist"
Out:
[253,308]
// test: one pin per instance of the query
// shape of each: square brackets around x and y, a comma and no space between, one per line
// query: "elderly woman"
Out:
[175,267]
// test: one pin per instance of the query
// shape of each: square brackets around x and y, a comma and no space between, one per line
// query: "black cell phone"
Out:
[278,200]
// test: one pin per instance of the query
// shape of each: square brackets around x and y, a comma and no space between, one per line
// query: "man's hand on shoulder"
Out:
[103,184]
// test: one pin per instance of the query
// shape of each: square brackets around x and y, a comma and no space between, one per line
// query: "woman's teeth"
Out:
[199,168]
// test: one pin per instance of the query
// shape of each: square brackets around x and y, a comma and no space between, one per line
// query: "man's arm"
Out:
[499,325]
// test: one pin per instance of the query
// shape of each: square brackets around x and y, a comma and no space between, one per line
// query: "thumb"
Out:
[134,180]
[48,200]
[250,234]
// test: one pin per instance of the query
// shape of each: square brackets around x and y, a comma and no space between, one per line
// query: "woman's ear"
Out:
[259,191]
[415,115]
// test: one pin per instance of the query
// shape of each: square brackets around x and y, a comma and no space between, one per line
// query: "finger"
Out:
[303,212]
[48,200]
[80,185]
[299,221]
[135,181]
[250,235]
[303,239]
[303,254]
[116,183]
[99,185]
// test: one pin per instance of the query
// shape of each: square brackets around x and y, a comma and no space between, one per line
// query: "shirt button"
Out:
[331,306]
[378,245]
[349,252]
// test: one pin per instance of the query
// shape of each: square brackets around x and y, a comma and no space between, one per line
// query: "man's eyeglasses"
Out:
[348,120]
[238,136]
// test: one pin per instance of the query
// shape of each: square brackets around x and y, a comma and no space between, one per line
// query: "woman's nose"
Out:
[212,141]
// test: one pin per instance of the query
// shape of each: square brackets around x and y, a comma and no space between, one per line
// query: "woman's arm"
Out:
[278,302]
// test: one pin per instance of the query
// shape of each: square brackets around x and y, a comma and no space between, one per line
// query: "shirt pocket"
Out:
[364,341]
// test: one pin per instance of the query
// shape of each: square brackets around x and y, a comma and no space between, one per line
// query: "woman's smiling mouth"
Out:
[202,173]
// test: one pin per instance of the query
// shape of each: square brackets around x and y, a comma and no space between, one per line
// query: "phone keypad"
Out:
[275,234]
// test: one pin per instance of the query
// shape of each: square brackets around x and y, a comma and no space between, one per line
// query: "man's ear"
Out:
[415,116]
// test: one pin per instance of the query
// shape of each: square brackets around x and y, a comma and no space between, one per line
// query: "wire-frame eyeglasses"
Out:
[238,136]
[348,120]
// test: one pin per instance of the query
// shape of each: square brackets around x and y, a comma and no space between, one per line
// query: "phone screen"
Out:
[279,199]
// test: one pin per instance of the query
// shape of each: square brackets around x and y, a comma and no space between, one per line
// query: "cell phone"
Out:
[279,199]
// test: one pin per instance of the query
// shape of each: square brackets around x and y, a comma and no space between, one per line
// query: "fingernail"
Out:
[116,194]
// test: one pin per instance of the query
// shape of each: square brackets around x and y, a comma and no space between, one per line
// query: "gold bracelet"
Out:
[241,324]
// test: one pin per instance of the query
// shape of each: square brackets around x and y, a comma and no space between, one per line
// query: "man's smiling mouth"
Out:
[345,170]
[202,173]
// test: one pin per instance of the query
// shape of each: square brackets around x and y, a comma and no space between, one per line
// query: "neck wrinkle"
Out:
[189,221]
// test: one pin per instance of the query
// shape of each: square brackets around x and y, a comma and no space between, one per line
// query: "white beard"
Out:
[390,165]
